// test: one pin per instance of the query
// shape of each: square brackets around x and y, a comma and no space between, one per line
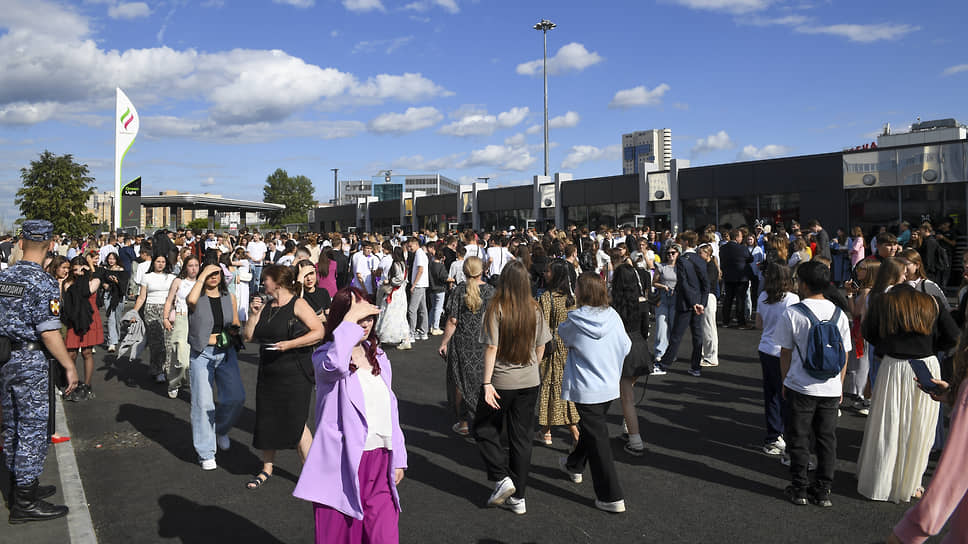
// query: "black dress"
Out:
[284,389]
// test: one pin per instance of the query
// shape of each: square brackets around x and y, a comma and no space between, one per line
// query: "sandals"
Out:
[461,428]
[256,483]
[918,493]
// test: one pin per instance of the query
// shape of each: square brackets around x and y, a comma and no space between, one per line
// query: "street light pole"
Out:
[335,186]
[544,26]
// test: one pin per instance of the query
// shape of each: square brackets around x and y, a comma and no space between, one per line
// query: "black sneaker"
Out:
[820,496]
[86,391]
[797,495]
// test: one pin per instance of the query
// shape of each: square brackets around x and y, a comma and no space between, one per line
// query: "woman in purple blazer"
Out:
[358,456]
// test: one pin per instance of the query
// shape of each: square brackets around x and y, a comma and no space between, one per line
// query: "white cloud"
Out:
[362,6]
[517,140]
[503,157]
[418,162]
[639,96]
[129,10]
[571,57]
[53,68]
[585,153]
[472,121]
[388,45]
[952,70]
[681,106]
[409,121]
[297,3]
[423,5]
[731,6]
[753,153]
[208,182]
[568,120]
[713,142]
[164,126]
[861,33]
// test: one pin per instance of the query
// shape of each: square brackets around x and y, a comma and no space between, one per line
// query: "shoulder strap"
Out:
[803,309]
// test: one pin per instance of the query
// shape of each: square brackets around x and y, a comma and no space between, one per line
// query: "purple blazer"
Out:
[330,475]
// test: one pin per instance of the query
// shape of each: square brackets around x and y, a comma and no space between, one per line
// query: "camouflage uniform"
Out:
[29,305]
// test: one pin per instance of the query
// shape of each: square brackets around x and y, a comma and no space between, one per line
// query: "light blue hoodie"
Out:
[597,346]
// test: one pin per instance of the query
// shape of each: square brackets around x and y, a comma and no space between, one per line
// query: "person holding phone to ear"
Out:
[906,329]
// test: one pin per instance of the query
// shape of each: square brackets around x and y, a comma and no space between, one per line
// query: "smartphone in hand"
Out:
[924,376]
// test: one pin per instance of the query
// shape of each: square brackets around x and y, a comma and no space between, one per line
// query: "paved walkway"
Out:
[702,480]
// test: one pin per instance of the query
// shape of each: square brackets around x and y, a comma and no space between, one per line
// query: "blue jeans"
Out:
[664,319]
[436,308]
[214,367]
[112,319]
[256,277]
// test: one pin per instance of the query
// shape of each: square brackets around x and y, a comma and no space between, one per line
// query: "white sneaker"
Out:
[223,442]
[423,337]
[616,507]
[515,505]
[209,464]
[502,490]
[160,378]
[774,448]
[112,348]
[657,370]
[438,332]
[173,393]
[404,345]
[575,477]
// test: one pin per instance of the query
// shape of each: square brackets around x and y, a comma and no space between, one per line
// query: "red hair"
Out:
[338,308]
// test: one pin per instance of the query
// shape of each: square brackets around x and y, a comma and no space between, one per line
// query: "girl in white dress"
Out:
[392,326]
[243,276]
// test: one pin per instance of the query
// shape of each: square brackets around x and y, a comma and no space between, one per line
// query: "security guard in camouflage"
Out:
[30,320]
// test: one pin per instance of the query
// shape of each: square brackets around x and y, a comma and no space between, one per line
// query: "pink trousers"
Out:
[380,517]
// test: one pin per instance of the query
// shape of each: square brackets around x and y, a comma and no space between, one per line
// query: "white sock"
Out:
[635,440]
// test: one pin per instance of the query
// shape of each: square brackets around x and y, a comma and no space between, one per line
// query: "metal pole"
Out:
[545,63]
[335,186]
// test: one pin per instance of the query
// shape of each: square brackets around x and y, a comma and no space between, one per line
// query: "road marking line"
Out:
[79,523]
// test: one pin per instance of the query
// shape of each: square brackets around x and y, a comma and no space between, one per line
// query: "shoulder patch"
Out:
[12,290]
[55,307]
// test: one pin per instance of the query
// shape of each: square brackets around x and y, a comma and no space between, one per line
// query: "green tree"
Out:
[295,192]
[56,188]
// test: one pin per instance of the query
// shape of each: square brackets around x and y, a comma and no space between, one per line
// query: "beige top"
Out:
[514,376]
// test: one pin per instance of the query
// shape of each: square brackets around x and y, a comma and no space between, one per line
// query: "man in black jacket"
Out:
[735,262]
[691,294]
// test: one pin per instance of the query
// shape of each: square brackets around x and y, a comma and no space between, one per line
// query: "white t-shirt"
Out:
[474,251]
[386,261]
[420,260]
[456,271]
[140,271]
[771,314]
[498,257]
[286,260]
[256,251]
[792,330]
[361,268]
[158,285]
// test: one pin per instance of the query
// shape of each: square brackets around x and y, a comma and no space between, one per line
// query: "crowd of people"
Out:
[539,331]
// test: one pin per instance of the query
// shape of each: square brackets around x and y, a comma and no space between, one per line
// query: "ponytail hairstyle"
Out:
[283,276]
[473,268]
[337,311]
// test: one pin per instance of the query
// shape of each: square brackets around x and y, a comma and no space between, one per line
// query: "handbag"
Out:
[245,276]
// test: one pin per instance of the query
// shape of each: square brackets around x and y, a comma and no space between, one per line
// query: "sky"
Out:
[229,90]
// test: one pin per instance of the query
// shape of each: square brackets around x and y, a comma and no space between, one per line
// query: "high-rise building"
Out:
[646,146]
[430,184]
[101,204]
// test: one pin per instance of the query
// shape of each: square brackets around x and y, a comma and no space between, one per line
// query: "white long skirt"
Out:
[242,299]
[392,326]
[899,433]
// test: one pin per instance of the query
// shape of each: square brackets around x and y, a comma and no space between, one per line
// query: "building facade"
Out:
[379,187]
[653,147]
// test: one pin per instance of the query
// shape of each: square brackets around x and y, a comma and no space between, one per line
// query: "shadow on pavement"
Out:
[197,523]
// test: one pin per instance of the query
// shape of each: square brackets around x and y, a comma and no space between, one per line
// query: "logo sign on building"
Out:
[466,205]
[547,195]
[131,204]
[408,207]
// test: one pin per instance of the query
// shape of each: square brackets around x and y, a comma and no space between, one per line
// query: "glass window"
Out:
[577,215]
[874,207]
[737,211]
[780,208]
[698,212]
[922,203]
[601,214]
[626,212]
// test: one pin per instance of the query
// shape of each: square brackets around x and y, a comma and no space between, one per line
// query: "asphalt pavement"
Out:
[703,478]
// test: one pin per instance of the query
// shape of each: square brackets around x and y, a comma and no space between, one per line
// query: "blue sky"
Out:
[228,91]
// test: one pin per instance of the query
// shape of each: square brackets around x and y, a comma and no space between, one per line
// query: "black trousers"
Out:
[754,293]
[516,419]
[735,290]
[595,450]
[684,320]
[817,415]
